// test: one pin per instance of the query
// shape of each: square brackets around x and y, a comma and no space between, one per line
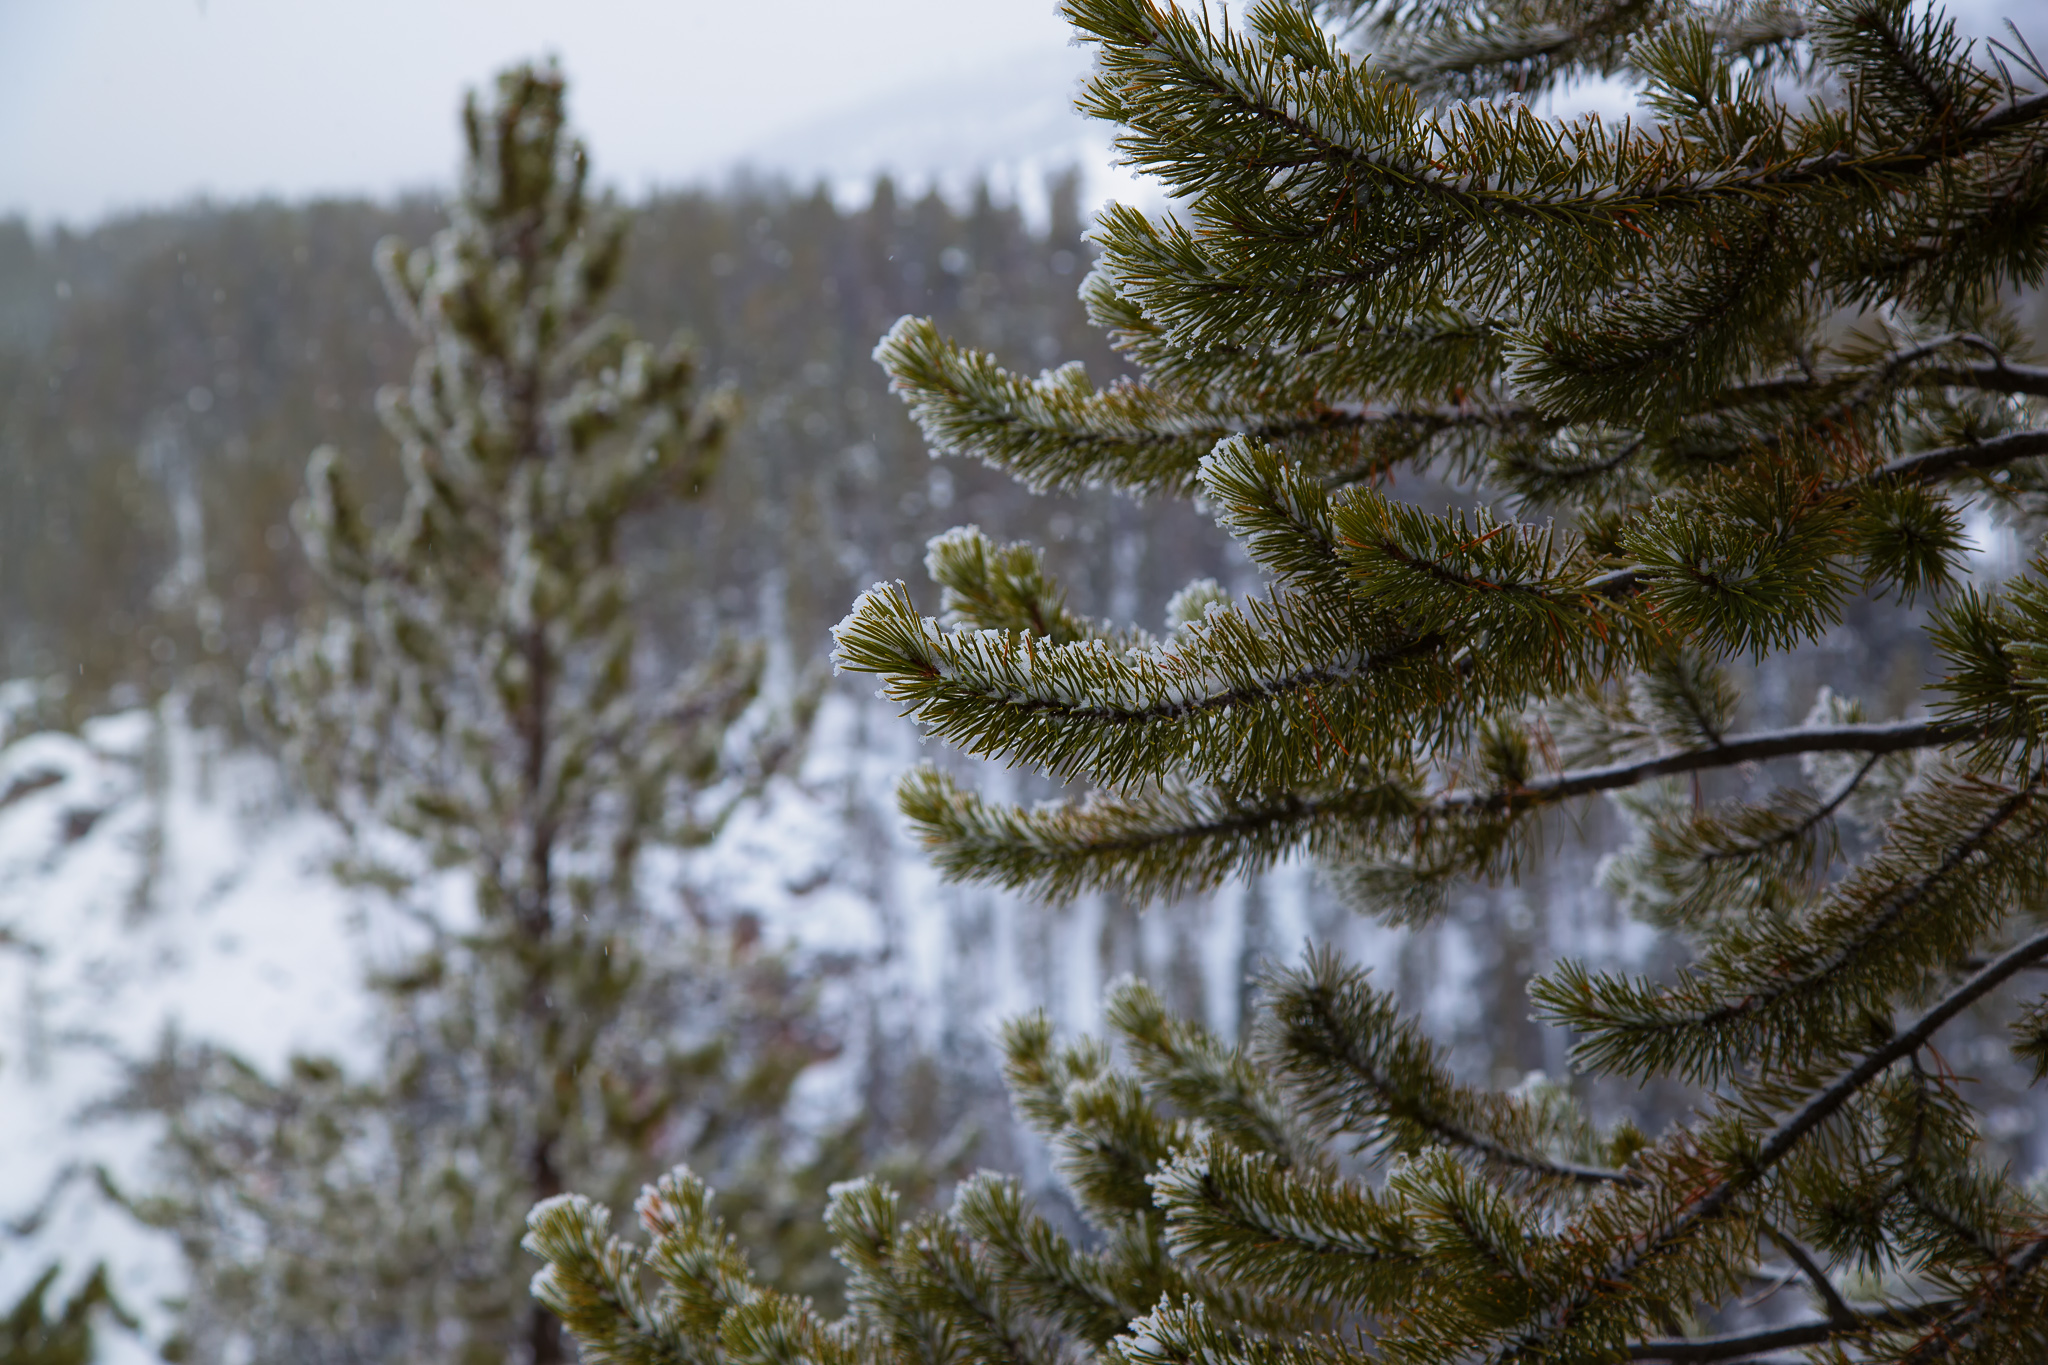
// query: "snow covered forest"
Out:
[209,960]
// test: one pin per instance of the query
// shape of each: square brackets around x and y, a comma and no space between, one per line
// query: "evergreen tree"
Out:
[1692,384]
[29,1335]
[475,690]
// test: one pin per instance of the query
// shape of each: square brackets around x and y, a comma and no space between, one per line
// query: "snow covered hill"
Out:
[150,881]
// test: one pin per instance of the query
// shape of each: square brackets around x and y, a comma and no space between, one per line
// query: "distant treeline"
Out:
[163,378]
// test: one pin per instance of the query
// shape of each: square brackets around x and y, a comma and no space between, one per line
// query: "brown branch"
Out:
[1934,464]
[1741,1345]
[1890,738]
[1822,1105]
[1946,145]
[1239,820]
[1354,807]
[1997,376]
[1773,1147]
[1845,1321]
[1838,1310]
[1363,1067]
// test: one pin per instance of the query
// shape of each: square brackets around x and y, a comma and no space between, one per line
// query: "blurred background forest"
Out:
[164,885]
[165,377]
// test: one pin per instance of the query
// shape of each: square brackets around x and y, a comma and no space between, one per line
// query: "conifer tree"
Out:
[475,690]
[30,1335]
[1693,382]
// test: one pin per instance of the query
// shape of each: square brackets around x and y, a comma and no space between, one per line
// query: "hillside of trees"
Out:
[164,377]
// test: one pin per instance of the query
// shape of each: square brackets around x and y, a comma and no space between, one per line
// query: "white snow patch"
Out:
[149,881]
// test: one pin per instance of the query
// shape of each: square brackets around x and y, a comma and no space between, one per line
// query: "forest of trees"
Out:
[1442,488]
[195,357]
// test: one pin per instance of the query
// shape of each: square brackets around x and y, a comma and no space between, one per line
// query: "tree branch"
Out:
[1838,1310]
[1291,819]
[1997,376]
[1934,464]
[1893,737]
[1822,1105]
[1356,1057]
[1948,144]
[1819,1108]
[1707,1203]
[1739,1345]
[1924,467]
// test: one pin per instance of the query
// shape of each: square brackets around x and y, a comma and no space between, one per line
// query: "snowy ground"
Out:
[148,882]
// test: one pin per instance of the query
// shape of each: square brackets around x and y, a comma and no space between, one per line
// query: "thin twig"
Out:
[1837,1307]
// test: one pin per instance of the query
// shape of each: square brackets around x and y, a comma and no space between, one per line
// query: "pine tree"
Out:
[473,698]
[1691,384]
[29,1335]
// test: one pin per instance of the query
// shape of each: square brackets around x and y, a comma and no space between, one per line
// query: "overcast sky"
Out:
[115,104]
[111,104]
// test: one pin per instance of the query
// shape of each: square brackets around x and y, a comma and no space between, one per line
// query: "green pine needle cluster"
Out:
[1691,384]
